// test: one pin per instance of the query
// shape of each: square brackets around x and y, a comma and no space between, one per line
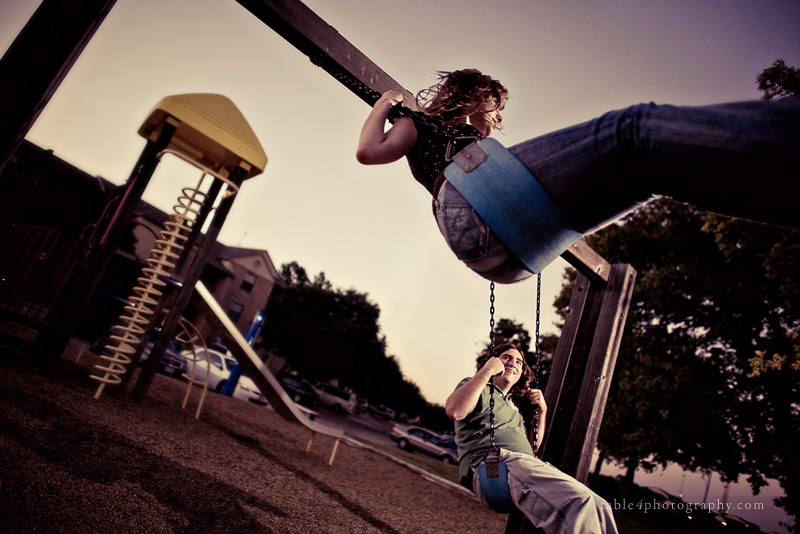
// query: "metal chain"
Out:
[538,312]
[535,366]
[491,355]
[491,319]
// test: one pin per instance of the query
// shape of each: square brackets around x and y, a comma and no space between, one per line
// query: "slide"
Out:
[256,369]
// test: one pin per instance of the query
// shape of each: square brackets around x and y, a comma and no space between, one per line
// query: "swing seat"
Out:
[494,486]
[512,203]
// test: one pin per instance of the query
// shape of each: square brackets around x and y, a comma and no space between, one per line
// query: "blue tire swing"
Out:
[512,203]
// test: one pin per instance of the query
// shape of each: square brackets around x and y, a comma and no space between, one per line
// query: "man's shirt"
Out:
[472,432]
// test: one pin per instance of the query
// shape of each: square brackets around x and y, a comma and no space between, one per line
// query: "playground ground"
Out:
[70,463]
[73,464]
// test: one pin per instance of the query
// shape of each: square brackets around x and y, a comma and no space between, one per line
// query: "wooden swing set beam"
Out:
[323,45]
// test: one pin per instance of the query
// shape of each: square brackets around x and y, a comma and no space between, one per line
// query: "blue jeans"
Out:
[739,159]
[473,242]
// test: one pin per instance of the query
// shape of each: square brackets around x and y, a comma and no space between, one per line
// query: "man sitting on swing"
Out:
[550,499]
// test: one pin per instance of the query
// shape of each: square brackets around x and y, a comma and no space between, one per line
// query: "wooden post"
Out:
[583,367]
[326,48]
[38,61]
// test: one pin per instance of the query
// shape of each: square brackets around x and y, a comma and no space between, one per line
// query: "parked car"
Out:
[172,362]
[247,390]
[738,523]
[221,367]
[362,405]
[336,398]
[383,412]
[449,442]
[415,438]
[299,390]
[218,368]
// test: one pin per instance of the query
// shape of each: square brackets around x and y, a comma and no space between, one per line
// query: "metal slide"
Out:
[256,369]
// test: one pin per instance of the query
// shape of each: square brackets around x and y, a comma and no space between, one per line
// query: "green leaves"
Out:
[707,374]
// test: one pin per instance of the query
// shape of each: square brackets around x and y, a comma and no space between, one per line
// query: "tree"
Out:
[331,334]
[779,81]
[712,293]
[707,375]
[658,369]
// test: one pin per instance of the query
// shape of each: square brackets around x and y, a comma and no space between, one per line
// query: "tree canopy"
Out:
[332,334]
[707,375]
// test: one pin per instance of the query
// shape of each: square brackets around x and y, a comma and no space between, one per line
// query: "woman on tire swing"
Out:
[739,159]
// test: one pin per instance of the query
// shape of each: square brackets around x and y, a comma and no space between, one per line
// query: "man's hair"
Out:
[522,387]
[461,93]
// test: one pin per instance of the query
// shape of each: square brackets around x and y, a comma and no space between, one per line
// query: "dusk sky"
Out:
[371,228]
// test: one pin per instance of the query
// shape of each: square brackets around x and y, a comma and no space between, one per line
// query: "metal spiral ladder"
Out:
[210,133]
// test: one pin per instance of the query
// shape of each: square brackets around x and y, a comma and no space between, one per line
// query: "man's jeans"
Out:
[739,159]
[552,500]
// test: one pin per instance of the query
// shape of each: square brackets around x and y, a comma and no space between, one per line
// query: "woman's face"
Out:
[486,118]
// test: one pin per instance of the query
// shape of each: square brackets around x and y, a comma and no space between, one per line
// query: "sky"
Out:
[371,228]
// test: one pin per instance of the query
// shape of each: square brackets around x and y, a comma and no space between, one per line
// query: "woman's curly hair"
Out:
[461,93]
[522,387]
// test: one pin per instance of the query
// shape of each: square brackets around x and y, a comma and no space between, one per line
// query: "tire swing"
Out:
[506,196]
[492,472]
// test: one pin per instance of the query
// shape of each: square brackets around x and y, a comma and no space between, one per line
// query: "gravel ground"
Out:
[70,463]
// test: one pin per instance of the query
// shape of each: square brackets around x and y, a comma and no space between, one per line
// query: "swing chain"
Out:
[535,366]
[491,354]
[491,318]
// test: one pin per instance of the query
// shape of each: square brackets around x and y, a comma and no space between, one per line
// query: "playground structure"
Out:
[208,132]
[584,361]
[211,134]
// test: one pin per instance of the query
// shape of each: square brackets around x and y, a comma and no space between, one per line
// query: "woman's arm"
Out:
[376,146]
[464,399]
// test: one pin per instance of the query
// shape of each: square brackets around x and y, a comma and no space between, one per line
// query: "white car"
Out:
[338,399]
[247,390]
[220,367]
[217,368]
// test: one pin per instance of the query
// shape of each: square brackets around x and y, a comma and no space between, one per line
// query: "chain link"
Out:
[535,366]
[491,355]
[491,319]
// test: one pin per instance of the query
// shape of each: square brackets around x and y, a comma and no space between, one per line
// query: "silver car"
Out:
[415,438]
[339,400]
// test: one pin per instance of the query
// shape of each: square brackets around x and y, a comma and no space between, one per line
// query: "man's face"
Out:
[513,362]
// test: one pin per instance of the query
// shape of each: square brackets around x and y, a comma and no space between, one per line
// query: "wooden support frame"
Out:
[54,37]
[583,366]
[325,47]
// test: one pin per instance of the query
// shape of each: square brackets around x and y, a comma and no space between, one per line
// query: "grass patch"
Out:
[432,465]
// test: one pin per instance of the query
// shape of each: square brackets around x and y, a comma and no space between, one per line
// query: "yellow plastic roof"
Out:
[212,132]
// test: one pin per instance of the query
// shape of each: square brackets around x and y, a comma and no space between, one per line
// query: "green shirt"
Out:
[472,432]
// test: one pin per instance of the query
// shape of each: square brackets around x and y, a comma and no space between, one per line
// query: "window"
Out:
[248,282]
[235,311]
